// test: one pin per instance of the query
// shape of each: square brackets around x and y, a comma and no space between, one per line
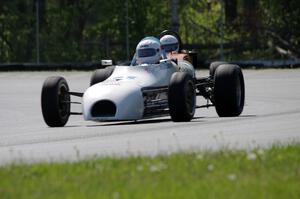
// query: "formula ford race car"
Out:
[160,81]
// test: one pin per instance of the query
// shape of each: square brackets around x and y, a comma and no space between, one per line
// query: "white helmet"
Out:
[169,43]
[148,51]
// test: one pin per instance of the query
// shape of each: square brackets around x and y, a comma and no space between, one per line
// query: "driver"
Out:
[148,51]
[170,45]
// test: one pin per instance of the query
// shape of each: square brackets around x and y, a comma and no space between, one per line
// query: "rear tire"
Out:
[101,74]
[182,97]
[229,90]
[213,66]
[55,101]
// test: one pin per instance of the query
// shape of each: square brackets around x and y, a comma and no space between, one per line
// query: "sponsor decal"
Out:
[131,77]
[118,78]
[111,83]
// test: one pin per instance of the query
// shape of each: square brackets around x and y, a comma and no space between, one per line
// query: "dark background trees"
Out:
[88,30]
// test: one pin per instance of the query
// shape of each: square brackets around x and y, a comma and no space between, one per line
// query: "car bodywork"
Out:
[132,92]
[141,91]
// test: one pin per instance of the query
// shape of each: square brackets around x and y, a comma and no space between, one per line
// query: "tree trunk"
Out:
[230,10]
[251,14]
[174,15]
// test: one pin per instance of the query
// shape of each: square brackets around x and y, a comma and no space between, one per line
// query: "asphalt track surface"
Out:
[271,115]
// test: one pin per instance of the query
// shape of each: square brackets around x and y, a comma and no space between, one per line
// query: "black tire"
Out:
[101,74]
[182,97]
[229,90]
[55,101]
[213,66]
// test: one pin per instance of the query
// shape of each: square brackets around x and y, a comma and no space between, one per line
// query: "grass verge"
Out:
[271,173]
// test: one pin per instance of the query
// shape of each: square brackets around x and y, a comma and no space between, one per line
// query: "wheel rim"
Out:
[63,102]
[190,98]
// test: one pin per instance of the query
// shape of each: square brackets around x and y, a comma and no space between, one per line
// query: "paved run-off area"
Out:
[271,115]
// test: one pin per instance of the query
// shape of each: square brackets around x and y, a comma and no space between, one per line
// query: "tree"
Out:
[88,30]
[230,11]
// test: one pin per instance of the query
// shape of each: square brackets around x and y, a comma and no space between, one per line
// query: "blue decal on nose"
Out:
[131,77]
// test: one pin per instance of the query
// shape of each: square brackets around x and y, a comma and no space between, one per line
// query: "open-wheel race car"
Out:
[160,81]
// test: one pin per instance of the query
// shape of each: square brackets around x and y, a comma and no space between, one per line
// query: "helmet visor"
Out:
[147,52]
[170,47]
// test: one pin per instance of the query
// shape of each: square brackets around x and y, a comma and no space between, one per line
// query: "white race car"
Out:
[160,81]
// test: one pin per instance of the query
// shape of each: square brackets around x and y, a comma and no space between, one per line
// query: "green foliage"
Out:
[200,21]
[88,30]
[282,23]
[16,34]
[271,173]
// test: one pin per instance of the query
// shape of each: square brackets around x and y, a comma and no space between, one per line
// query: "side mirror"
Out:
[106,62]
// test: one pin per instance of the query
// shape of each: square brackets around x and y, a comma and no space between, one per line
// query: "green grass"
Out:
[271,173]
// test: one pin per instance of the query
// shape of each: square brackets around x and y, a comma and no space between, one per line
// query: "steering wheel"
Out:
[173,33]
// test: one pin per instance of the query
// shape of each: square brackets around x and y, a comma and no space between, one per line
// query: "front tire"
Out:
[101,74]
[229,90]
[55,101]
[182,97]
